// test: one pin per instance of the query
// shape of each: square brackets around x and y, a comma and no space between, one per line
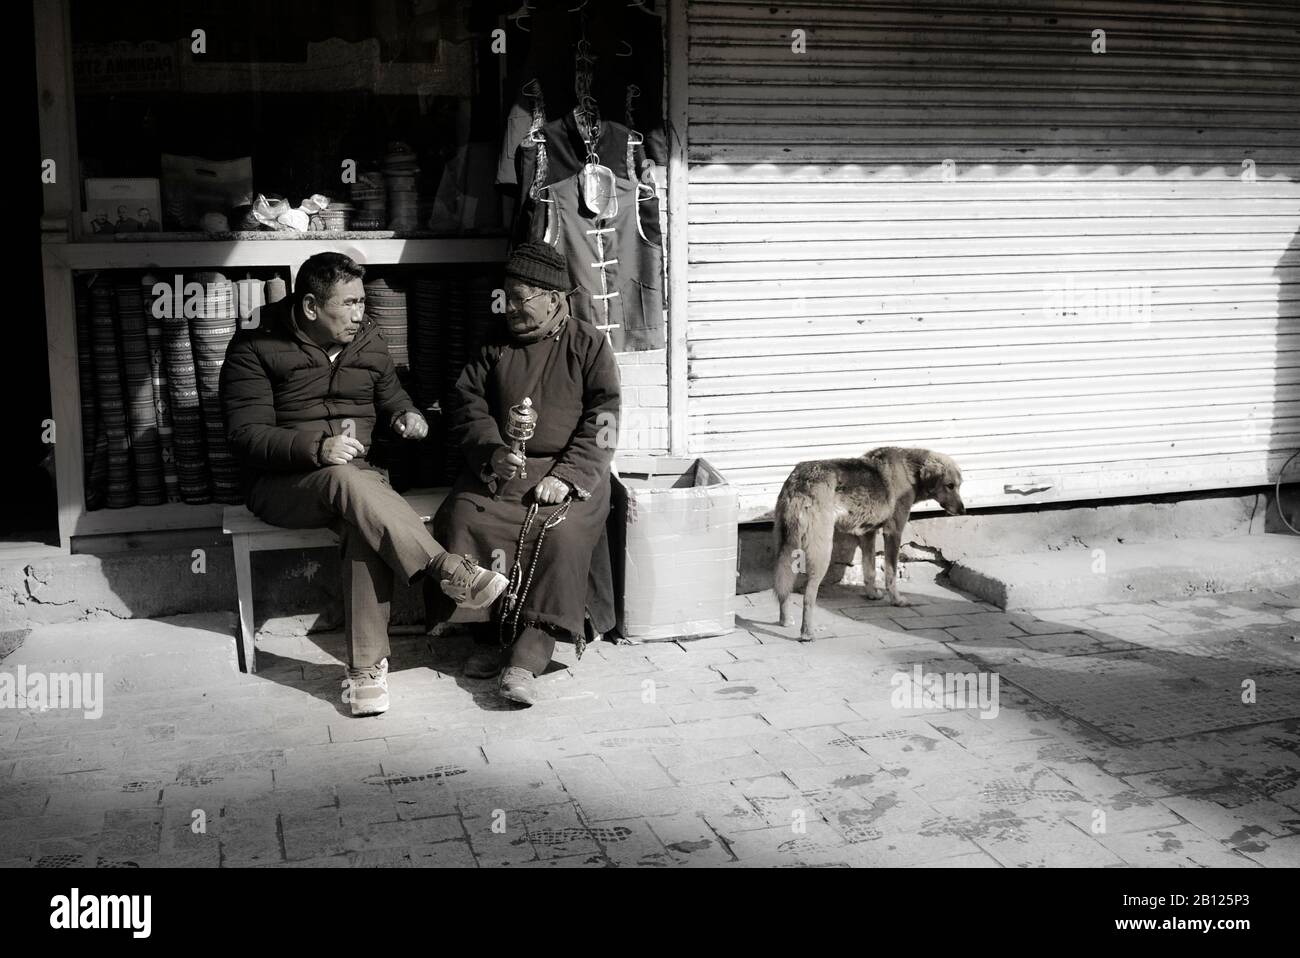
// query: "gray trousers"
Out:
[381,536]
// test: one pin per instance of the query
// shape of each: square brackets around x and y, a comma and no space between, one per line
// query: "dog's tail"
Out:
[785,539]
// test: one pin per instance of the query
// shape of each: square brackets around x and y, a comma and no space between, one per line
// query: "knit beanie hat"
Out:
[539,264]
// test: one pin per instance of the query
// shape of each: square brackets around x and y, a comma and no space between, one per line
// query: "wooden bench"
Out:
[250,534]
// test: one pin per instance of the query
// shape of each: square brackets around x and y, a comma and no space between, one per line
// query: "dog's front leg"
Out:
[868,543]
[893,542]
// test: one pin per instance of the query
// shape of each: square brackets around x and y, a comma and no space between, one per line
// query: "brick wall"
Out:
[644,426]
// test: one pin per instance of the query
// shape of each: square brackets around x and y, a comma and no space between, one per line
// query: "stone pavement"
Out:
[748,749]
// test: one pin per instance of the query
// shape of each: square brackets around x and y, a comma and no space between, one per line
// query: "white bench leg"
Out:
[244,585]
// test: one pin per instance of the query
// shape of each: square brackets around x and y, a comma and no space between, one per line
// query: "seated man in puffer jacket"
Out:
[301,394]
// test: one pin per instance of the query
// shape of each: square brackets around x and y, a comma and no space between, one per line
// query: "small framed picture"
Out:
[122,206]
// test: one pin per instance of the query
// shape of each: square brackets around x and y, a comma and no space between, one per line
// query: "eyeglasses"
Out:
[516,303]
[352,304]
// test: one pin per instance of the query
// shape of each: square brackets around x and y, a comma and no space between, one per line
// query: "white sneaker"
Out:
[367,689]
[473,587]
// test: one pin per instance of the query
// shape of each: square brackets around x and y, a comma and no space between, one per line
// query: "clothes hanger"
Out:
[525,12]
[644,191]
[533,91]
[586,117]
[587,108]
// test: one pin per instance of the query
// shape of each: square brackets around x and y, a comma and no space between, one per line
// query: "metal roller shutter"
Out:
[955,226]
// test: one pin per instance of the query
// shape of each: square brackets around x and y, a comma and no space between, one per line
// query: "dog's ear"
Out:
[931,470]
[934,469]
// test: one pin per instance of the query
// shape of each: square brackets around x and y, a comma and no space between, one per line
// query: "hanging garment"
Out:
[90,432]
[187,416]
[628,40]
[628,45]
[612,264]
[108,390]
[615,261]
[519,122]
[142,418]
[161,399]
[210,334]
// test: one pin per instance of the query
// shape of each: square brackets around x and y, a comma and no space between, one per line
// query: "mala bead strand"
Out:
[519,585]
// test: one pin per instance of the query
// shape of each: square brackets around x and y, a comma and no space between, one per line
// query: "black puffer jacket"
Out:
[281,395]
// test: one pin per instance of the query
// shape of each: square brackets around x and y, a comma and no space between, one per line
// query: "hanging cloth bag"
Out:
[596,184]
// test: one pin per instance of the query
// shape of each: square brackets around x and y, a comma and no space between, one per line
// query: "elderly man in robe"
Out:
[558,491]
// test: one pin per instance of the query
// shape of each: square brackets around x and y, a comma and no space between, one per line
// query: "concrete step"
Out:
[1129,573]
[136,656]
[198,576]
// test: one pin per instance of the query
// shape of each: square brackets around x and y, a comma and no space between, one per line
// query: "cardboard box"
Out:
[679,577]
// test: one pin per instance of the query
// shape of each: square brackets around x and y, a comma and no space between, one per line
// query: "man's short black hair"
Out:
[322,272]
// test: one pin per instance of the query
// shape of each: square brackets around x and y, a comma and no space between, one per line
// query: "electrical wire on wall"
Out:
[1277,492]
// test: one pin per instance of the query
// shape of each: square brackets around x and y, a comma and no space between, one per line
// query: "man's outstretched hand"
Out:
[551,490]
[411,425]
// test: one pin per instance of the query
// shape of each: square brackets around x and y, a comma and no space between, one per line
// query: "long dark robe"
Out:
[572,380]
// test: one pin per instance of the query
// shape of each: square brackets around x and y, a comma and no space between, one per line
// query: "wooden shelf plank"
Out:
[291,253]
[336,66]
[173,515]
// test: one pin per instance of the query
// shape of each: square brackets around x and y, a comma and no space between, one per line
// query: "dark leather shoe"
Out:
[517,685]
[483,663]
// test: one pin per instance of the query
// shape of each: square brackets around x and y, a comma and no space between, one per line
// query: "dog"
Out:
[857,496]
